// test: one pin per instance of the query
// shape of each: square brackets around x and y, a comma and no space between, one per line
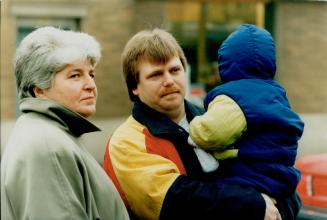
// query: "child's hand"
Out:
[226,154]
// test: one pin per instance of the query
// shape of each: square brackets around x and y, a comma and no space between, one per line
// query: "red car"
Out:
[313,186]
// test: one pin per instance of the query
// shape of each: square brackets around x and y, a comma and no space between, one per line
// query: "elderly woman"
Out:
[46,172]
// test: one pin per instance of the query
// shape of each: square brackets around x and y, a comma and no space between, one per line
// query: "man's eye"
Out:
[154,75]
[175,70]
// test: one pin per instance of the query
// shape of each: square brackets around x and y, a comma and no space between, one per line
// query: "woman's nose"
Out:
[90,83]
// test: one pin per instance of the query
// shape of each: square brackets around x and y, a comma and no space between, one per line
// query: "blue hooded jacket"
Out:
[267,150]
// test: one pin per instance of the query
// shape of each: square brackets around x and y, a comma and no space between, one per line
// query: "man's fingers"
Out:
[272,212]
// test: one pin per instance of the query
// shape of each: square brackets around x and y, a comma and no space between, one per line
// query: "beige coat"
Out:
[46,173]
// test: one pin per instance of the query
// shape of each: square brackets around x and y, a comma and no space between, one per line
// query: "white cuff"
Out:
[191,142]
[207,161]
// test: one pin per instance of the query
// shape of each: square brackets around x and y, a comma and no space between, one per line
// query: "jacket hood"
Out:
[247,53]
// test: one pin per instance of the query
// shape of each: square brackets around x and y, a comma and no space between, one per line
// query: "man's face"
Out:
[162,86]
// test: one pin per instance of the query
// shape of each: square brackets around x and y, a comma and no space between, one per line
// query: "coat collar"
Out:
[70,120]
[159,124]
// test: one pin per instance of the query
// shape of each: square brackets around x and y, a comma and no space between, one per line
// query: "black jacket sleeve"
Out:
[188,199]
[289,208]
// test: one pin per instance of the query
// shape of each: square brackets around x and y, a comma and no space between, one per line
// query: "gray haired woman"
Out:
[46,173]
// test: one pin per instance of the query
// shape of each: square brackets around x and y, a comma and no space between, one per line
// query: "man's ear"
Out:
[38,92]
[135,92]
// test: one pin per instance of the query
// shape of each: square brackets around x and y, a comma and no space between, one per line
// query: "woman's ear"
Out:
[39,93]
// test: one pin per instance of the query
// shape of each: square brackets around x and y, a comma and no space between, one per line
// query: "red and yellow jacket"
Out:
[159,176]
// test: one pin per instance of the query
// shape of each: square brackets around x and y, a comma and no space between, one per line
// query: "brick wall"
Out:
[113,23]
[300,33]
[7,86]
[109,21]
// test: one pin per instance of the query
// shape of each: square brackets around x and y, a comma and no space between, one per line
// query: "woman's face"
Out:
[74,87]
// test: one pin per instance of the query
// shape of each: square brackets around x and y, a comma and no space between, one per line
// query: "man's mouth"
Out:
[169,93]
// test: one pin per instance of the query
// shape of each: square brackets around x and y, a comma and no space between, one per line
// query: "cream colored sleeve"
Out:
[222,124]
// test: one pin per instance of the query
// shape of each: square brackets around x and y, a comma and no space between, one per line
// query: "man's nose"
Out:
[168,79]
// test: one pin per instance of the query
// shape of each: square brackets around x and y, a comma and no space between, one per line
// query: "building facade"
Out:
[299,28]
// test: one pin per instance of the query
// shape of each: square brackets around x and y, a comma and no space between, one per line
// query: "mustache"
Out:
[169,91]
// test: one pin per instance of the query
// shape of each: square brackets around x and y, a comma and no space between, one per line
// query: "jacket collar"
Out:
[159,124]
[70,120]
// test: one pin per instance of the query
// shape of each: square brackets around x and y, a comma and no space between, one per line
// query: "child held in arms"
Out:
[249,124]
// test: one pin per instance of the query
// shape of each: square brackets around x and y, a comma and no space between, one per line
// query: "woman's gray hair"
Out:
[47,50]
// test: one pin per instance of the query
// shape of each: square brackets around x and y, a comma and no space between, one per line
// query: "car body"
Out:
[313,186]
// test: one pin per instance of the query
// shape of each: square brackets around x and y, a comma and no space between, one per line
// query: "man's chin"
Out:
[172,97]
[172,104]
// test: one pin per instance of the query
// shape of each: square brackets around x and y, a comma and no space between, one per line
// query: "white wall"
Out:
[314,139]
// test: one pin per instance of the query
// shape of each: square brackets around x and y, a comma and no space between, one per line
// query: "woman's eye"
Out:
[74,76]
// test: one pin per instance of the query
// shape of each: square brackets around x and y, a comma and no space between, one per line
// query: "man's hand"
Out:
[272,212]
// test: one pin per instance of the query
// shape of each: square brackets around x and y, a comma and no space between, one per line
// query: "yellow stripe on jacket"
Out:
[144,171]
